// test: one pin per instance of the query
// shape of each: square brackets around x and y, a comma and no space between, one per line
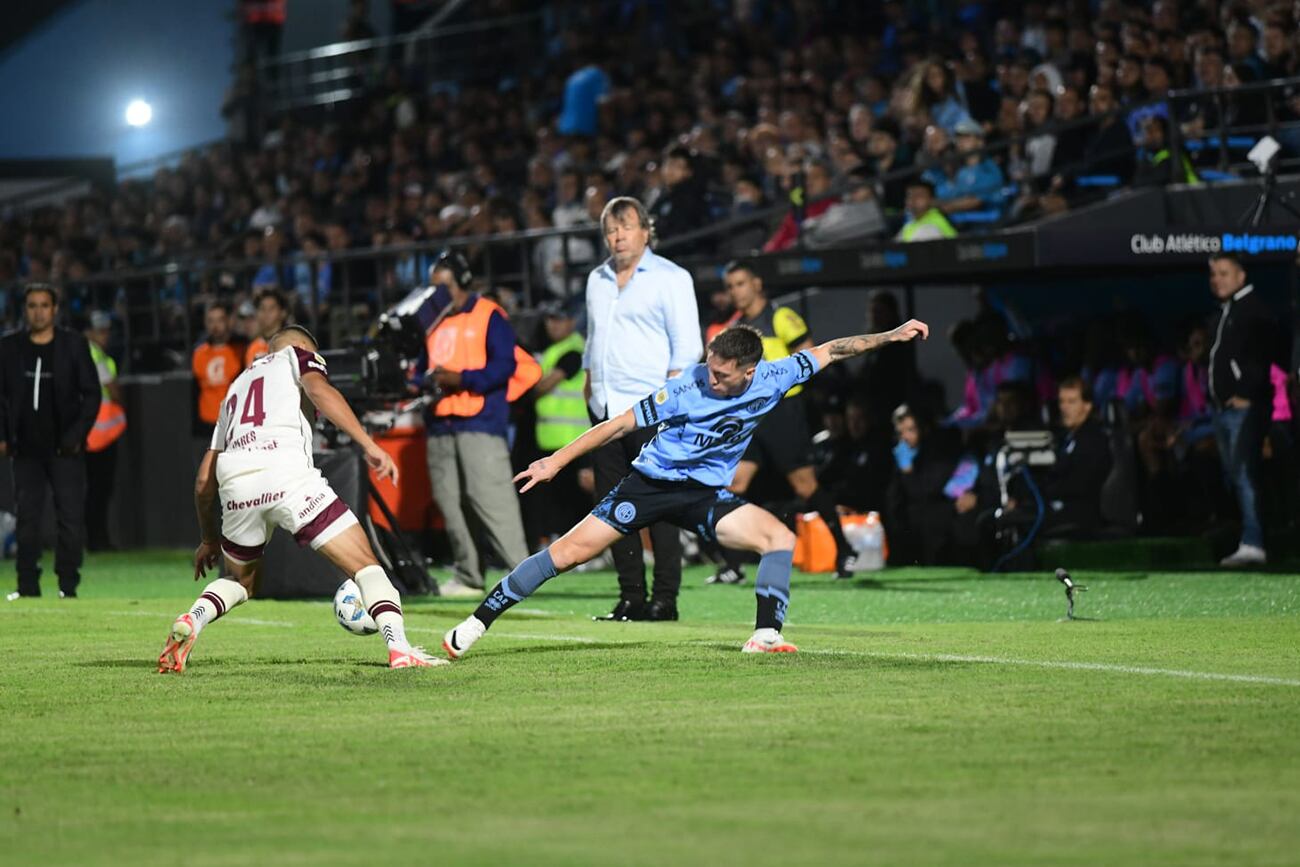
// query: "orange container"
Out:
[411,502]
[814,547]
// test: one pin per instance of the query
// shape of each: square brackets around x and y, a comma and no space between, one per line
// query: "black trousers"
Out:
[33,476]
[100,470]
[611,463]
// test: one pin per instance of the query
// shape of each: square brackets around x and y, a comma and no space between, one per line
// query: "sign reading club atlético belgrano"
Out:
[1204,244]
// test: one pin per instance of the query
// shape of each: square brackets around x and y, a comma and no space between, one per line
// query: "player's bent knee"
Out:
[567,553]
[781,538]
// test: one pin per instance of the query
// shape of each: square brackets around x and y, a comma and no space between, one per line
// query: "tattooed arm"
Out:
[848,347]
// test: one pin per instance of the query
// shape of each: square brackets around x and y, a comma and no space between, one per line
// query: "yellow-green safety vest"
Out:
[933,217]
[562,414]
[105,366]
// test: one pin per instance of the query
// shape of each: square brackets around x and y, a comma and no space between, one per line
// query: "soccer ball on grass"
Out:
[350,611]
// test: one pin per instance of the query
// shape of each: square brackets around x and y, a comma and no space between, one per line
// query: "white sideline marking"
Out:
[1058,664]
[1068,665]
[528,636]
[251,621]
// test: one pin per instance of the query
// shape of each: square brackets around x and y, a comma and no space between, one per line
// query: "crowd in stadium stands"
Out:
[817,107]
[739,106]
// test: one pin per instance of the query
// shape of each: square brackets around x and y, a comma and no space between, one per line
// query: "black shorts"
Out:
[639,501]
[782,440]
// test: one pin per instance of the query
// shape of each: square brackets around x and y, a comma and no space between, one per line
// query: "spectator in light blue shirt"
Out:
[642,328]
[939,95]
[582,93]
[977,184]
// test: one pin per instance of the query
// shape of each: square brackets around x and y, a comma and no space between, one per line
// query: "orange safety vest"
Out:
[110,424]
[256,350]
[460,343]
[718,327]
[215,367]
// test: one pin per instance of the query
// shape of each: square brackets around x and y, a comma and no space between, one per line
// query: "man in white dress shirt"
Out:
[642,329]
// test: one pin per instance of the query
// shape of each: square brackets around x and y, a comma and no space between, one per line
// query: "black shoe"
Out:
[726,575]
[844,565]
[626,610]
[67,594]
[660,609]
[19,594]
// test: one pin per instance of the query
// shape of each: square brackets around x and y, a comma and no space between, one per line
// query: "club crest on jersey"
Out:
[661,396]
[625,512]
[757,404]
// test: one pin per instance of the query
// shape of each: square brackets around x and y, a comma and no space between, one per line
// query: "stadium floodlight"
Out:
[138,112]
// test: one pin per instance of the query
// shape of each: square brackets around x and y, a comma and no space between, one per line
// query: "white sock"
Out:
[217,598]
[384,605]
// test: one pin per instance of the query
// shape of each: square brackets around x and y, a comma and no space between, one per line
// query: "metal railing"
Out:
[491,49]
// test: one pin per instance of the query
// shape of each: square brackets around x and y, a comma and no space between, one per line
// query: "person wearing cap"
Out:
[101,458]
[562,413]
[49,396]
[925,222]
[978,181]
[474,368]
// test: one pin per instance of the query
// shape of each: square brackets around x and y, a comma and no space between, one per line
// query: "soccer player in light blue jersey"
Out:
[705,418]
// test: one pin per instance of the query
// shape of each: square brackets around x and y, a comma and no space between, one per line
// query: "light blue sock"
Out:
[519,585]
[772,587]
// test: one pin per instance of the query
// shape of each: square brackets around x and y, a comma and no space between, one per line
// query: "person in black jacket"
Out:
[682,205]
[1245,342]
[920,515]
[49,397]
[1072,489]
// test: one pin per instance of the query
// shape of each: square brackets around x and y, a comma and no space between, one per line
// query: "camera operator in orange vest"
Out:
[476,368]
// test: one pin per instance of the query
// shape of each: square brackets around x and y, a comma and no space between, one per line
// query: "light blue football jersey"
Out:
[702,435]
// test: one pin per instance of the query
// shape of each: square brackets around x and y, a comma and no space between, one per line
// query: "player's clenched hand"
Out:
[381,462]
[205,558]
[910,330]
[538,471]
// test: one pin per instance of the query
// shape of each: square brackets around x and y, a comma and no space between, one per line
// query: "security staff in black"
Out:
[49,397]
[782,440]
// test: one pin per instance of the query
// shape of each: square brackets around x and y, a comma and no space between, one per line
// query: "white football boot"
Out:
[461,637]
[768,641]
[412,657]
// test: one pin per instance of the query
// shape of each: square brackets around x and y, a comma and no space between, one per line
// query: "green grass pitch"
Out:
[932,717]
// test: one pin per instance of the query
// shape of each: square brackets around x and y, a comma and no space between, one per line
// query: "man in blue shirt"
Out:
[642,328]
[977,183]
[705,418]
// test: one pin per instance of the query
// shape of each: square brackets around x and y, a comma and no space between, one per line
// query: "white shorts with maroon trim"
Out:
[255,502]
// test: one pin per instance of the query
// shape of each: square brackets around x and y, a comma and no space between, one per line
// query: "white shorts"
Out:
[255,502]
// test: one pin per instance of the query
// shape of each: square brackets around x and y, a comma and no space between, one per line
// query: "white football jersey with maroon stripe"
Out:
[265,418]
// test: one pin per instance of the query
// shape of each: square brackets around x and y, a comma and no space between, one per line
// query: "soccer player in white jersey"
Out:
[260,462]
[705,419]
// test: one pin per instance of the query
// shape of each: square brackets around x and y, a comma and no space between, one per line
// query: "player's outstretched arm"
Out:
[332,405]
[848,347]
[607,431]
[205,497]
